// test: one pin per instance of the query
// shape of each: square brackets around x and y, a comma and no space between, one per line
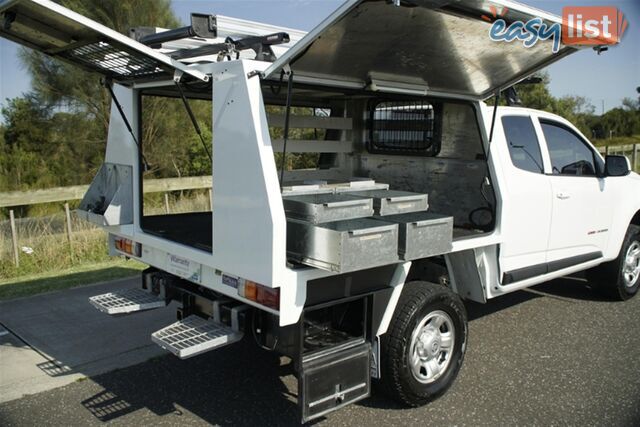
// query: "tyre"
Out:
[620,278]
[423,349]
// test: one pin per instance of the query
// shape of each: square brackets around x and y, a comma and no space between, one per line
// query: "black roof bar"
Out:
[260,44]
[204,26]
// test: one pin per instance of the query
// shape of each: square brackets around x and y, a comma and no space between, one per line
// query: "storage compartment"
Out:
[422,234]
[343,246]
[321,208]
[109,200]
[334,378]
[390,202]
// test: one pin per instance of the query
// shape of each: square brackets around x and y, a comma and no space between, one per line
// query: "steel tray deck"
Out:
[391,202]
[422,234]
[321,208]
[343,246]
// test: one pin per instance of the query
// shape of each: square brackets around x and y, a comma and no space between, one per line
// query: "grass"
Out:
[617,141]
[33,284]
[48,262]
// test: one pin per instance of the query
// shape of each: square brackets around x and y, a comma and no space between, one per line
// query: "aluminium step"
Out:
[127,301]
[194,335]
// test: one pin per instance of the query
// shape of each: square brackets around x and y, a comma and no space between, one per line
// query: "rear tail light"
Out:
[263,295]
[128,246]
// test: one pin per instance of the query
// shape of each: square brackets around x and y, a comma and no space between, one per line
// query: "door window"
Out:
[523,143]
[569,154]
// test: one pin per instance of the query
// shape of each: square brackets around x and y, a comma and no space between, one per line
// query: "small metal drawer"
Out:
[422,234]
[390,202]
[321,208]
[343,246]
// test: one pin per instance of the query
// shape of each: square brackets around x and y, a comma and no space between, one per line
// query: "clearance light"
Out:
[261,294]
[128,246]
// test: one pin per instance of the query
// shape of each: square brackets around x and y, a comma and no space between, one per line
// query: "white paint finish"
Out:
[397,283]
[581,213]
[588,204]
[581,216]
[526,218]
[249,225]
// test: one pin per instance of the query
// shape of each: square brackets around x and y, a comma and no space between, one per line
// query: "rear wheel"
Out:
[620,278]
[424,346]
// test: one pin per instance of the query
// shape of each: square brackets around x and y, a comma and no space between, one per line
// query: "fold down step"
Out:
[194,335]
[127,301]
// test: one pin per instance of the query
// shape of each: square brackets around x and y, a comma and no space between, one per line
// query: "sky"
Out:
[603,79]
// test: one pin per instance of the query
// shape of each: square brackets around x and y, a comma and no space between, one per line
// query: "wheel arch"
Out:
[636,219]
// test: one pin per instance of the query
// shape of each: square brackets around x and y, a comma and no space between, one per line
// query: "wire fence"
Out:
[62,239]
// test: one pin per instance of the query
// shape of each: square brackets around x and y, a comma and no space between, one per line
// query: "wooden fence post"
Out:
[210,200]
[634,157]
[166,202]
[68,220]
[14,239]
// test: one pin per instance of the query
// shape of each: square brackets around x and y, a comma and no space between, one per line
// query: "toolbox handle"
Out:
[373,230]
[399,199]
[426,222]
[346,203]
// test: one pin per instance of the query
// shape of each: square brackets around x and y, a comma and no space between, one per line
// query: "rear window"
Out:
[522,140]
[404,127]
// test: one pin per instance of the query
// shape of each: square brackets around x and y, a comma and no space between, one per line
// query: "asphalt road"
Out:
[555,355]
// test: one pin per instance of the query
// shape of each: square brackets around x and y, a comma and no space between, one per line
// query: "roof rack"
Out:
[260,44]
[206,27]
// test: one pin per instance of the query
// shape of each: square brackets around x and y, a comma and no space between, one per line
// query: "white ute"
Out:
[423,196]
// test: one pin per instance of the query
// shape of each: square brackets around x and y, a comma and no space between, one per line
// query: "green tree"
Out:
[59,84]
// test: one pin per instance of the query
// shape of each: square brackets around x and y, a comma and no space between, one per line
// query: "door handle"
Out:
[563,196]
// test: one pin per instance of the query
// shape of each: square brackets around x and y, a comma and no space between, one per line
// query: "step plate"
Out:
[194,335]
[126,301]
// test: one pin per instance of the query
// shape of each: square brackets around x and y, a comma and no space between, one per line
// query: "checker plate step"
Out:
[126,301]
[194,335]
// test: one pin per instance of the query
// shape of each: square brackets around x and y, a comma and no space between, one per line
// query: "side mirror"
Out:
[617,166]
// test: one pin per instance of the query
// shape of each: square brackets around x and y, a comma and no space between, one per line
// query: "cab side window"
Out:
[522,140]
[569,154]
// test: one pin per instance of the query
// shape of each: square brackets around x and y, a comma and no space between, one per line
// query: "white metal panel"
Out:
[249,225]
[582,207]
[526,217]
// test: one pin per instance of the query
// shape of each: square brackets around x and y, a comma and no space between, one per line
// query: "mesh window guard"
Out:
[404,127]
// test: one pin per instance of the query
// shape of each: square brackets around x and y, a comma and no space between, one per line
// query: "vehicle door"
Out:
[581,205]
[526,215]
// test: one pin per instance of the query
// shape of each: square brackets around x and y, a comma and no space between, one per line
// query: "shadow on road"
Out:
[236,385]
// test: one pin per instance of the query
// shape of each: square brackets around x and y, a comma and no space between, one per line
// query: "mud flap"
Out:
[334,378]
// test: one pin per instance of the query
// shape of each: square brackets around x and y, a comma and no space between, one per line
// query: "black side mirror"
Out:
[617,166]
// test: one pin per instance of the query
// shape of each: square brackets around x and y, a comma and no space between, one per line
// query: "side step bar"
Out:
[127,301]
[194,335]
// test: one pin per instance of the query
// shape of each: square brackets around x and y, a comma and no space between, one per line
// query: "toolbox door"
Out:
[334,378]
[59,32]
[437,47]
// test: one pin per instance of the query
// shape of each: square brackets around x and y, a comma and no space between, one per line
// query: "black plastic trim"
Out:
[549,267]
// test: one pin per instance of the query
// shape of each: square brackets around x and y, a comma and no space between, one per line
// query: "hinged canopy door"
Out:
[430,46]
[57,31]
